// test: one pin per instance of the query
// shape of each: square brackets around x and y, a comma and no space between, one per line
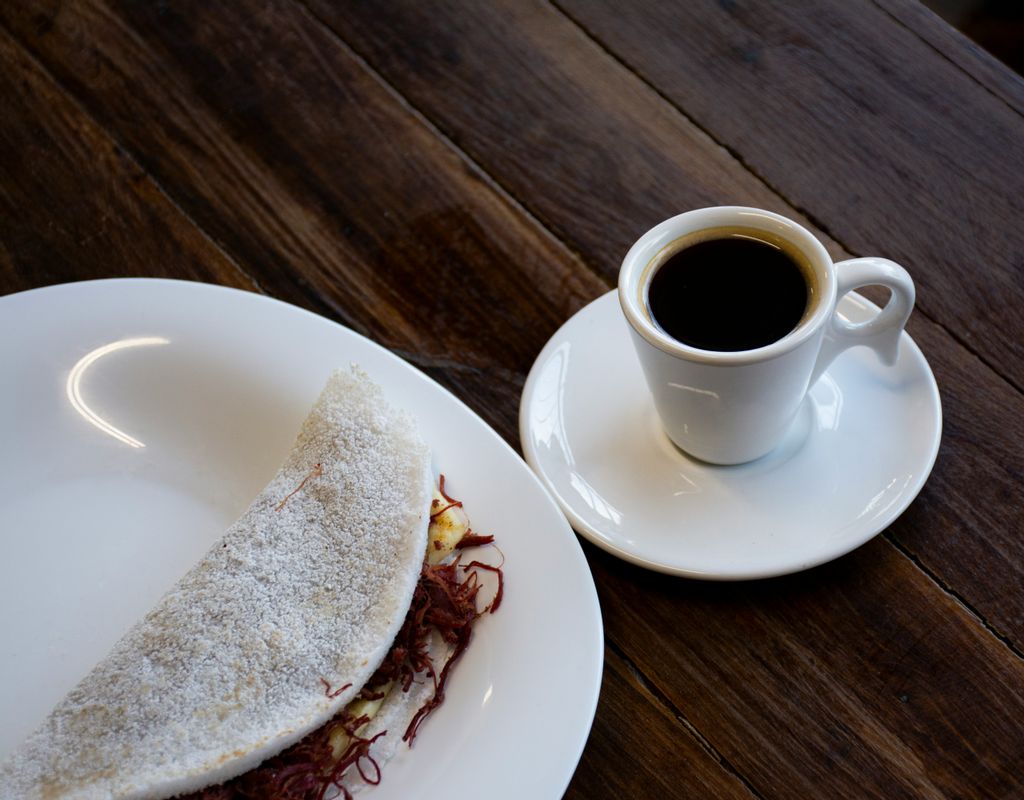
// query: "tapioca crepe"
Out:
[273,632]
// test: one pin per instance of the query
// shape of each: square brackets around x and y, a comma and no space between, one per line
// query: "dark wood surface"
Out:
[455,179]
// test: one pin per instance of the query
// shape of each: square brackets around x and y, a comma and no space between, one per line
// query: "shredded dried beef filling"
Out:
[445,604]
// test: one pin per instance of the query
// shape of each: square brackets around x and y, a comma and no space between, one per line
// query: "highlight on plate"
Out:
[310,642]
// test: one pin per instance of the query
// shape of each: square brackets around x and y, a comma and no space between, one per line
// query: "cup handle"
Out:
[883,331]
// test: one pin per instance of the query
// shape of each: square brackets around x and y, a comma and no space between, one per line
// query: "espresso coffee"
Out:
[728,290]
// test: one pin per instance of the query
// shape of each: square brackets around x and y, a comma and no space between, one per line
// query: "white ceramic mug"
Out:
[733,407]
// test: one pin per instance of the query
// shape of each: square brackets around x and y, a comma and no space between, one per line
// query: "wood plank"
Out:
[591,151]
[831,683]
[637,749]
[321,182]
[986,69]
[169,124]
[966,524]
[73,205]
[513,83]
[893,146]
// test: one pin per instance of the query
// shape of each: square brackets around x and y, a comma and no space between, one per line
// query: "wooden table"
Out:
[454,180]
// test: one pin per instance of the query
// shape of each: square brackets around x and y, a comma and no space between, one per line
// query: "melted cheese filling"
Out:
[448,524]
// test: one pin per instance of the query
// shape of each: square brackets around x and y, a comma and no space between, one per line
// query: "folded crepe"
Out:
[274,631]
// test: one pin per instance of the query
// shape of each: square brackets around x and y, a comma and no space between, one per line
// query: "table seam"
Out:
[651,688]
[955,64]
[797,207]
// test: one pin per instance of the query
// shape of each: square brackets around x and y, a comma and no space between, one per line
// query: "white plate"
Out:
[862,447]
[214,383]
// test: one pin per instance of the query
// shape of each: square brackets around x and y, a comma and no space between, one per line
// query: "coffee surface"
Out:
[727,294]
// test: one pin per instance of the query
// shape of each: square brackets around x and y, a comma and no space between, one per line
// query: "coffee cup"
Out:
[744,323]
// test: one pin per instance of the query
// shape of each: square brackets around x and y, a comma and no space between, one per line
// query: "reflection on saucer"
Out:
[859,450]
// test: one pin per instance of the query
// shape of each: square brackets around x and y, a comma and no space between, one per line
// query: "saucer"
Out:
[861,448]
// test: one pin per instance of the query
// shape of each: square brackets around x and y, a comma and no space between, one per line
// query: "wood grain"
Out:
[585,146]
[70,198]
[513,83]
[852,680]
[638,750]
[966,526]
[890,143]
[989,72]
